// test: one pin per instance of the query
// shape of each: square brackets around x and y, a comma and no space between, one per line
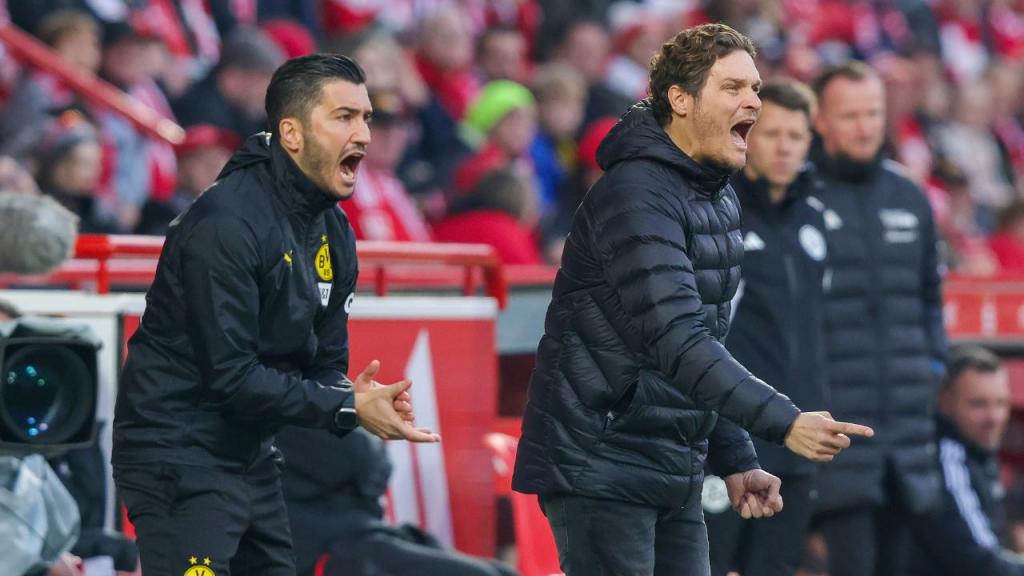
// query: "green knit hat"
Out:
[497,99]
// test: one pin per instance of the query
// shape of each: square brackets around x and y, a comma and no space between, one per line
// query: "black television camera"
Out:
[48,386]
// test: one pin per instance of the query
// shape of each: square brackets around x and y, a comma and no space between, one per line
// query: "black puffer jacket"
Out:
[630,371]
[884,335]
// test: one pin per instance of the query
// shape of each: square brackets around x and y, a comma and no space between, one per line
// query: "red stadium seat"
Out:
[538,555]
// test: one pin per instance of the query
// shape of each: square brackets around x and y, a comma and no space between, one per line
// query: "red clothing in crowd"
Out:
[380,209]
[453,90]
[1008,250]
[513,242]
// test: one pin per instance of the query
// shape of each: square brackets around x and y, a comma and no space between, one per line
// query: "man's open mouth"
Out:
[739,132]
[350,163]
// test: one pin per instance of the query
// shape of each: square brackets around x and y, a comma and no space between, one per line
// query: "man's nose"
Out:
[753,102]
[362,135]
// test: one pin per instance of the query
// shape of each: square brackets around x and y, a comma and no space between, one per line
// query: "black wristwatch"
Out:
[345,418]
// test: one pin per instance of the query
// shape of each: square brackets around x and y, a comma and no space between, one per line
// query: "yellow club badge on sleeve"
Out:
[322,261]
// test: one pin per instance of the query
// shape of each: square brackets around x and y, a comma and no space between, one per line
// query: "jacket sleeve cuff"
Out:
[733,459]
[777,419]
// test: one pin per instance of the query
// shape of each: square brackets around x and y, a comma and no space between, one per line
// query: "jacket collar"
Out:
[295,189]
[639,135]
[947,429]
[755,193]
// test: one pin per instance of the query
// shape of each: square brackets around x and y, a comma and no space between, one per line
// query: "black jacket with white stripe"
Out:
[631,374]
[777,326]
[965,537]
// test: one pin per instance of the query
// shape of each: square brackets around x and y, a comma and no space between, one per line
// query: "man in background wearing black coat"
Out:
[631,374]
[885,342]
[777,324]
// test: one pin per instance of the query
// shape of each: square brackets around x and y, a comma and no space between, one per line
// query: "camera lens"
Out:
[45,395]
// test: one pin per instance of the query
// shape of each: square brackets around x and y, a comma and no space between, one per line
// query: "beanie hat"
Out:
[494,102]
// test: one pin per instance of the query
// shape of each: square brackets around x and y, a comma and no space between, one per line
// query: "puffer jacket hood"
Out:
[639,136]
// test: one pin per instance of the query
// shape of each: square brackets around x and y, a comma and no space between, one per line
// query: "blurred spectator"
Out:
[500,211]
[586,48]
[561,95]
[500,125]
[201,156]
[231,96]
[380,208]
[586,173]
[29,14]
[445,60]
[14,178]
[966,536]
[334,487]
[190,30]
[1008,242]
[433,148]
[970,142]
[136,165]
[68,164]
[962,30]
[885,339]
[75,37]
[501,55]
[290,37]
[968,249]
[637,35]
[1006,83]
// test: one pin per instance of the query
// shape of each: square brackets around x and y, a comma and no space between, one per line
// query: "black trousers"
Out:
[767,546]
[202,521]
[390,553]
[614,538]
[867,541]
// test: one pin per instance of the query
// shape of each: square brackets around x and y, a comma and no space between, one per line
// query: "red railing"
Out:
[30,50]
[105,261]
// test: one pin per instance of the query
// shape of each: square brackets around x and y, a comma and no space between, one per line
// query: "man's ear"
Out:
[680,101]
[289,133]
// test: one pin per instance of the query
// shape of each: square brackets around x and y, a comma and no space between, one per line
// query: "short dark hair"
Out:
[853,70]
[295,87]
[965,358]
[686,61]
[791,95]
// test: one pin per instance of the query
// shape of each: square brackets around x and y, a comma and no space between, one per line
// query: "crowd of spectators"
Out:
[489,112]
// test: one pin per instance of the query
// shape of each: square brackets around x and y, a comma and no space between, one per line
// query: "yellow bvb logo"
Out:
[197,569]
[322,262]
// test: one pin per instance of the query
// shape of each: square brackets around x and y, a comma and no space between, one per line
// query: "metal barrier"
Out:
[30,50]
[123,260]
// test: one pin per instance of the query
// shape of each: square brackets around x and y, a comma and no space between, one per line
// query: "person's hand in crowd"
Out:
[817,436]
[67,565]
[365,382]
[386,410]
[754,493]
[14,178]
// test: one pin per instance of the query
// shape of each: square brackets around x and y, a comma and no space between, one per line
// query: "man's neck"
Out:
[682,137]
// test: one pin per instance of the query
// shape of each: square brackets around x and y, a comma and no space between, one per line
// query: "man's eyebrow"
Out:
[351,110]
[740,81]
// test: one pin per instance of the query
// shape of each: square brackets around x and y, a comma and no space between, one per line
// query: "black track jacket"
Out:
[777,329]
[245,327]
